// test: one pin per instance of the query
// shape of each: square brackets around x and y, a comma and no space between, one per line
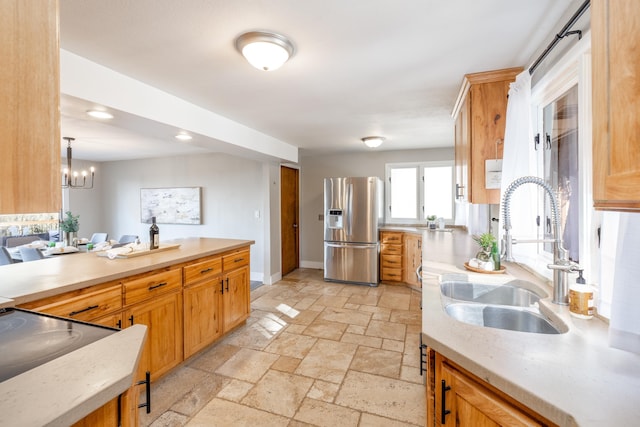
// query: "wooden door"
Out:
[289,219]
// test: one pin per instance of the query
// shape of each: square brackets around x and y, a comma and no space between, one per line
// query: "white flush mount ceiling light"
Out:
[100,114]
[265,51]
[183,136]
[373,141]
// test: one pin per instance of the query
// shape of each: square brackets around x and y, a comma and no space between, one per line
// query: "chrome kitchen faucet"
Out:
[561,266]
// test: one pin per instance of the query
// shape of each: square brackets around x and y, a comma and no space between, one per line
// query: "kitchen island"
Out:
[570,379]
[144,294]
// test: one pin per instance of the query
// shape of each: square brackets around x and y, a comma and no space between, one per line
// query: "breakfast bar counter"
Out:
[571,379]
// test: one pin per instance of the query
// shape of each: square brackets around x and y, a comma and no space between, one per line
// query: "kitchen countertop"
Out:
[22,282]
[573,379]
[70,387]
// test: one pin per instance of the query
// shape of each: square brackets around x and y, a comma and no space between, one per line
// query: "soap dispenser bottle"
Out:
[581,299]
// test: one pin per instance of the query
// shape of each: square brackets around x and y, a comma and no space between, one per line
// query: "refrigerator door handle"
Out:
[351,245]
[349,208]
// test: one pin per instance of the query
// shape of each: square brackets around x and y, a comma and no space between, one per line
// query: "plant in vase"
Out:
[431,221]
[486,241]
[70,226]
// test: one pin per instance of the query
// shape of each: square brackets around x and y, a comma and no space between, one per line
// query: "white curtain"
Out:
[624,327]
[519,160]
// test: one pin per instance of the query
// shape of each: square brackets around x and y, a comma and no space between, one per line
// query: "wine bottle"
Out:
[154,234]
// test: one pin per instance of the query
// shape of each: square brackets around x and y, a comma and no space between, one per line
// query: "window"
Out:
[415,191]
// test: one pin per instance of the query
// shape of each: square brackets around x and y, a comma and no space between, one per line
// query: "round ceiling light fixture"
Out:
[183,136]
[265,51]
[373,141]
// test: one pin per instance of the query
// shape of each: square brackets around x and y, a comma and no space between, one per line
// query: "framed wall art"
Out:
[179,205]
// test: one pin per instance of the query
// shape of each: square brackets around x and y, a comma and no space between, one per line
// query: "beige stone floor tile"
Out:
[370,420]
[374,342]
[364,299]
[325,329]
[347,291]
[351,306]
[323,288]
[292,345]
[395,301]
[389,330]
[170,419]
[386,397]
[295,329]
[393,345]
[377,313]
[258,334]
[323,390]
[357,329]
[267,303]
[300,317]
[211,359]
[327,360]
[377,361]
[235,390]
[296,423]
[325,414]
[279,393]
[286,364]
[411,373]
[411,358]
[407,317]
[396,289]
[247,365]
[335,301]
[343,315]
[206,387]
[222,413]
[306,302]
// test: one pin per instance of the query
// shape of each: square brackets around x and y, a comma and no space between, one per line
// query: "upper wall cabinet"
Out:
[615,31]
[29,95]
[479,113]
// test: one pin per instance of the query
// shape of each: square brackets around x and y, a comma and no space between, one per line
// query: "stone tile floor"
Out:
[312,353]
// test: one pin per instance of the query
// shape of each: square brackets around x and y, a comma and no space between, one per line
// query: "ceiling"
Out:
[360,67]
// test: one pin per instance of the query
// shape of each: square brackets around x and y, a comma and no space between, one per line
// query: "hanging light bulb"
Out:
[71,178]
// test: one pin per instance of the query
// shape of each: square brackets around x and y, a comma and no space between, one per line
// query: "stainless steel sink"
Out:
[502,317]
[489,293]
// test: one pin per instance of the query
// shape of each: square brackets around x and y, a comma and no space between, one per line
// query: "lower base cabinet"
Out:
[458,398]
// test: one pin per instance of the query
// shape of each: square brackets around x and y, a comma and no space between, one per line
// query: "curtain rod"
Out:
[563,33]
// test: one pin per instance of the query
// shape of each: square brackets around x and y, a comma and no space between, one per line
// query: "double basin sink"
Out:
[511,306]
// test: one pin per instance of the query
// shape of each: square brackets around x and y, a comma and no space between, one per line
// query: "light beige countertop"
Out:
[573,379]
[25,282]
[64,390]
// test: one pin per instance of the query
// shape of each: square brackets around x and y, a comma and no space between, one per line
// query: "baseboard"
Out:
[312,264]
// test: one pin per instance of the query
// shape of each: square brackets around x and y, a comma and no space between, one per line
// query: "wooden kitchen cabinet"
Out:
[479,115]
[469,401]
[391,256]
[155,300]
[413,258]
[30,97]
[236,298]
[202,304]
[615,31]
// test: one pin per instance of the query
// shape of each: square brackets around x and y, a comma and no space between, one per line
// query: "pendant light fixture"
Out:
[264,50]
[373,141]
[71,178]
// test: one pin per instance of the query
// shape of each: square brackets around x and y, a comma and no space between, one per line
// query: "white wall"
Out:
[313,170]
[232,193]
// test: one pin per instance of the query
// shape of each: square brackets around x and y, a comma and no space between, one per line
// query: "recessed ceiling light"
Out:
[183,136]
[373,141]
[99,114]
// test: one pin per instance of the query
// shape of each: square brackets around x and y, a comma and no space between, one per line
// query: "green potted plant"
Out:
[431,221]
[70,226]
[486,241]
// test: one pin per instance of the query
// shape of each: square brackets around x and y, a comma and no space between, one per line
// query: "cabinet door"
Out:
[413,256]
[236,297]
[616,89]
[163,347]
[202,315]
[104,416]
[112,320]
[462,154]
[472,405]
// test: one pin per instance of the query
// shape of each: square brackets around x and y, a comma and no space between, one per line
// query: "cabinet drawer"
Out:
[391,274]
[391,261]
[86,305]
[391,237]
[235,260]
[388,249]
[198,271]
[148,286]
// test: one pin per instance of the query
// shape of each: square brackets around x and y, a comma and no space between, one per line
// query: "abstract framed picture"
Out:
[177,205]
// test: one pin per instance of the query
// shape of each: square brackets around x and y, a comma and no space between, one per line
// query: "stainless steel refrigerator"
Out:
[353,211]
